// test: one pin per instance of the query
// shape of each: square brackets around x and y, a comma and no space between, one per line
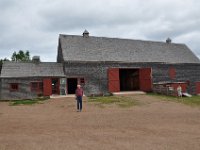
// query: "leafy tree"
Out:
[2,60]
[21,56]
[27,55]
[14,56]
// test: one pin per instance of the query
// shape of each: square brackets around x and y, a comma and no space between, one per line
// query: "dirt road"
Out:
[55,125]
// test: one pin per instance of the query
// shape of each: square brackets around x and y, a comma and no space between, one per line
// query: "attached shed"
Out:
[169,88]
[104,65]
[27,80]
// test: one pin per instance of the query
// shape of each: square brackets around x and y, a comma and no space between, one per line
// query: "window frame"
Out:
[14,87]
[38,88]
[80,81]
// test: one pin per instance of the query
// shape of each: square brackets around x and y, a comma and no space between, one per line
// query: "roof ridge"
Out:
[119,38]
[29,62]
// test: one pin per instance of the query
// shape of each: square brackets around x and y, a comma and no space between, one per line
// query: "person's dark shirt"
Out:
[79,92]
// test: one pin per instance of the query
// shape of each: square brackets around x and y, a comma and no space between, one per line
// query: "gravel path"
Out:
[55,125]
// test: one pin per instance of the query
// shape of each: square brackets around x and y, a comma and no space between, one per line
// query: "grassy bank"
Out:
[28,101]
[192,101]
[122,101]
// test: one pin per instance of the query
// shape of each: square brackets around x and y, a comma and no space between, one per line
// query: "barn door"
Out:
[145,79]
[47,87]
[113,80]
[197,87]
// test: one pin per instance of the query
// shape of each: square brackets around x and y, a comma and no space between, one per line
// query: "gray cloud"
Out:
[35,25]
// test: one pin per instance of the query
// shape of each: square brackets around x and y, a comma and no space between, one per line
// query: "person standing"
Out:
[179,91]
[79,95]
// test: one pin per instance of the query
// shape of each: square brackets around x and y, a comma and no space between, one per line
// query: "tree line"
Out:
[18,56]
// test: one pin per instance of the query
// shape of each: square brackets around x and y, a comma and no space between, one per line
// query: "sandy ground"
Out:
[55,125]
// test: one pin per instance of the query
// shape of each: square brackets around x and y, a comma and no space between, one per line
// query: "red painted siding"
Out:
[47,87]
[197,87]
[145,79]
[172,73]
[183,86]
[113,80]
[175,85]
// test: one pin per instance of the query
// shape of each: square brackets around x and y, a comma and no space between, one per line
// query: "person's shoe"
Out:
[77,110]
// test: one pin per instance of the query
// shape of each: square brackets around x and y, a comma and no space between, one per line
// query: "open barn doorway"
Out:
[129,79]
[71,85]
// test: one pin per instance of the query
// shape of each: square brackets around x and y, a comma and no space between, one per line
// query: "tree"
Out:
[21,56]
[27,55]
[1,62]
[14,56]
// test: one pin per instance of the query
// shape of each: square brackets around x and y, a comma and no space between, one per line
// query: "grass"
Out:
[38,100]
[192,101]
[121,101]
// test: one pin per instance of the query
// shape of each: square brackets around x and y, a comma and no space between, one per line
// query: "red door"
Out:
[197,87]
[145,79]
[172,73]
[47,87]
[113,80]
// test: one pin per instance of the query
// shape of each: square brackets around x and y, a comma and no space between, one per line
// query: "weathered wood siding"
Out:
[96,78]
[24,89]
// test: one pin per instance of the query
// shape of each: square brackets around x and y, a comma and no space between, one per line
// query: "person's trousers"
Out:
[79,103]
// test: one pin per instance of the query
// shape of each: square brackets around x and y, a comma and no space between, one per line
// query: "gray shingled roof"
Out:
[28,69]
[78,48]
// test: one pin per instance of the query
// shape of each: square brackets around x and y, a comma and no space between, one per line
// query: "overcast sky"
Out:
[35,25]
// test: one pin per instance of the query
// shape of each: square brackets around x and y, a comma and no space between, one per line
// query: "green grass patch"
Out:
[38,100]
[122,101]
[192,101]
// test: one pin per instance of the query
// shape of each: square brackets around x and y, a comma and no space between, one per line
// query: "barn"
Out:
[102,66]
[105,65]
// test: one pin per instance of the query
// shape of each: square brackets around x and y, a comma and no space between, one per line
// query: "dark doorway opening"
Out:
[71,85]
[129,79]
[55,86]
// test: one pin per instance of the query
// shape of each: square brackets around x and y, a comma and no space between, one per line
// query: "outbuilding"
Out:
[27,80]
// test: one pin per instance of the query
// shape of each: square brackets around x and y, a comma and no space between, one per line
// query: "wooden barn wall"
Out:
[95,74]
[59,55]
[0,89]
[24,89]
[96,81]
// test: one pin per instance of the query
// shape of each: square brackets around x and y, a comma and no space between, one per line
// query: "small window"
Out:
[34,86]
[14,87]
[82,81]
[37,87]
[40,86]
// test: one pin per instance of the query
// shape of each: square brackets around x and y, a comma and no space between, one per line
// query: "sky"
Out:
[35,25]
